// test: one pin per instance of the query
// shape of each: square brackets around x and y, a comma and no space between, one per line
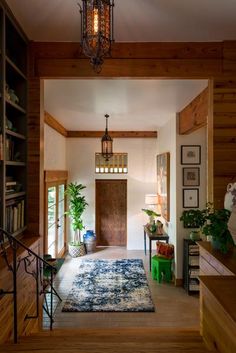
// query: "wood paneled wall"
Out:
[224,137]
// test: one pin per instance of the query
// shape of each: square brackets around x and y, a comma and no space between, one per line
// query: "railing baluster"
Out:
[36,272]
[14,273]
[51,300]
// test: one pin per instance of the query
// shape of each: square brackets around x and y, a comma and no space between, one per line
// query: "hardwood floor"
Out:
[110,340]
[173,307]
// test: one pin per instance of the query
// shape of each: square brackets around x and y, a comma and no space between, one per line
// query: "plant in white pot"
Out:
[77,205]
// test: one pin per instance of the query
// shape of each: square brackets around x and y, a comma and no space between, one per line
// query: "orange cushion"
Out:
[165,250]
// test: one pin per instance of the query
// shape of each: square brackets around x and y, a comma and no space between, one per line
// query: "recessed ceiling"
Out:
[132,104]
[135,20]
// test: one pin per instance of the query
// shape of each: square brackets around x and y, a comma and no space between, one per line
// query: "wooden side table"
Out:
[152,237]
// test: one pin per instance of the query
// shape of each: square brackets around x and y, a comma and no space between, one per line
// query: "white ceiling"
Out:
[135,20]
[132,104]
[136,104]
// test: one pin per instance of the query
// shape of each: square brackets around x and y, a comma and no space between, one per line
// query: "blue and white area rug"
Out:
[110,285]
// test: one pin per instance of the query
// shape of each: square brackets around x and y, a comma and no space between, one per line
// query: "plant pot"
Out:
[223,247]
[194,235]
[76,250]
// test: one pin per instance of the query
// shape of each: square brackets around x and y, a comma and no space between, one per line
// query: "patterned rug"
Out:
[110,285]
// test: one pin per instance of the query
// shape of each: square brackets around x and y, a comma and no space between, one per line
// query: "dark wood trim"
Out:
[113,134]
[55,175]
[178,282]
[54,124]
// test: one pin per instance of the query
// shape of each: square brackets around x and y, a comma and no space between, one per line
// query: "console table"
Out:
[152,237]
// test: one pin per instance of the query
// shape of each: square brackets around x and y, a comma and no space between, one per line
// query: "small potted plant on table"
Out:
[77,205]
[153,227]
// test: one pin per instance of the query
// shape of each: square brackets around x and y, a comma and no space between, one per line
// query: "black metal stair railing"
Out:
[34,265]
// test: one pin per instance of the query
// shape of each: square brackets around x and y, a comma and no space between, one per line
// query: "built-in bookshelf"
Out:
[13,125]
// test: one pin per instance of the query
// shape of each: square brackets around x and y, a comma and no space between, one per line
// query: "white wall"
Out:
[54,149]
[198,137]
[141,178]
[170,141]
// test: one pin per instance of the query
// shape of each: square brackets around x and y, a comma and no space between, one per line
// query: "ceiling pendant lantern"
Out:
[107,150]
[97,30]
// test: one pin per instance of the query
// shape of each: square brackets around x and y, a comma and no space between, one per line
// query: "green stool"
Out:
[161,266]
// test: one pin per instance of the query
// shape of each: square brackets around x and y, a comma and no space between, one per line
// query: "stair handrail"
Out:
[13,266]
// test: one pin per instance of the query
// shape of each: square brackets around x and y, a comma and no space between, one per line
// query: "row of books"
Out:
[194,273]
[15,215]
[13,186]
[194,284]
[193,260]
[193,250]
[9,149]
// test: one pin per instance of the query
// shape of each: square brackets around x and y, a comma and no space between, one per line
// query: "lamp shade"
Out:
[151,199]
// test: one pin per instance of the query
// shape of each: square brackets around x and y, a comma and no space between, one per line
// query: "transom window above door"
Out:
[117,164]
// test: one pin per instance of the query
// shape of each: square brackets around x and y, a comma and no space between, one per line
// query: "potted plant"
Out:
[216,225]
[152,226]
[77,205]
[194,219]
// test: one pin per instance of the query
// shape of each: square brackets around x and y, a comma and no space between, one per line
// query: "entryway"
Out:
[111,212]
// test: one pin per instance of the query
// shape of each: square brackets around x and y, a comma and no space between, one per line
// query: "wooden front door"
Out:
[111,212]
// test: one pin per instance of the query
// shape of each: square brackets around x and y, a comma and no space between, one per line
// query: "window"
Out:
[55,228]
[117,164]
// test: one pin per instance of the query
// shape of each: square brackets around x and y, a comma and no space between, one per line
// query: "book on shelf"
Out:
[9,149]
[11,183]
[194,273]
[193,260]
[194,284]
[15,210]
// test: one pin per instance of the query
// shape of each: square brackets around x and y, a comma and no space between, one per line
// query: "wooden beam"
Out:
[194,115]
[129,68]
[141,50]
[54,124]
[55,175]
[113,134]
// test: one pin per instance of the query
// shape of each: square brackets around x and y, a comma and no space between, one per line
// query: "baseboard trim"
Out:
[178,282]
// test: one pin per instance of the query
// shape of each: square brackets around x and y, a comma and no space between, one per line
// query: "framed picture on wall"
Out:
[190,198]
[190,154]
[191,176]
[163,184]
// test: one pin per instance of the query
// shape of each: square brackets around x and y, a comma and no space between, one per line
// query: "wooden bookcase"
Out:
[13,124]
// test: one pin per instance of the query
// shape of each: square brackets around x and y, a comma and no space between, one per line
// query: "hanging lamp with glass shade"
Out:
[107,142]
[97,30]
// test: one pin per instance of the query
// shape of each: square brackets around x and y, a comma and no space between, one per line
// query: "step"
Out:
[135,340]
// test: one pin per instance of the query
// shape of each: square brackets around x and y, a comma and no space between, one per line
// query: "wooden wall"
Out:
[224,137]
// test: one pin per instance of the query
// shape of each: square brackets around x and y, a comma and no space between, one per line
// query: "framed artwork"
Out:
[163,184]
[190,198]
[191,176]
[190,154]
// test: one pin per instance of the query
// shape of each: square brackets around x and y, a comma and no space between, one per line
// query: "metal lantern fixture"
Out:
[107,142]
[96,30]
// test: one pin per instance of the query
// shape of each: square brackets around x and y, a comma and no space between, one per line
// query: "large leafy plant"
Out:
[216,225]
[77,205]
